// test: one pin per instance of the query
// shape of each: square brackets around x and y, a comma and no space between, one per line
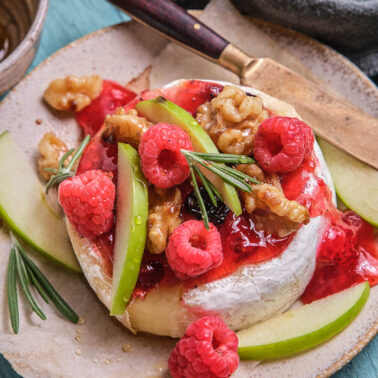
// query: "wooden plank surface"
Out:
[68,20]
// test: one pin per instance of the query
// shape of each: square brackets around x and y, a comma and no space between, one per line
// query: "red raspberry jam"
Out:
[189,94]
[351,237]
[154,270]
[151,273]
[303,186]
[348,255]
[99,155]
[105,246]
[111,97]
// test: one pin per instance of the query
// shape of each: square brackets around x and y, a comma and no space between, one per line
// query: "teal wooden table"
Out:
[68,20]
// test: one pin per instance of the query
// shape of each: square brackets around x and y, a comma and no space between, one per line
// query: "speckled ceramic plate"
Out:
[58,348]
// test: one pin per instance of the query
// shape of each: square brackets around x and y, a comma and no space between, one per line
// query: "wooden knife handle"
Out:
[174,22]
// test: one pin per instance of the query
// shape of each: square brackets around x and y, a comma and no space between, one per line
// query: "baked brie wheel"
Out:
[254,292]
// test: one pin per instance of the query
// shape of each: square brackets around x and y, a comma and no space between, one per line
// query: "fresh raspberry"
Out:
[282,143]
[162,162]
[192,250]
[88,201]
[208,349]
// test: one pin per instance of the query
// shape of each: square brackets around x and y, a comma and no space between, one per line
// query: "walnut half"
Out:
[163,217]
[270,209]
[270,197]
[73,93]
[51,149]
[231,119]
[125,127]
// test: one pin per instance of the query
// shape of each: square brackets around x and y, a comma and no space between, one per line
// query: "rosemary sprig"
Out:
[22,267]
[237,174]
[24,281]
[37,285]
[61,305]
[224,158]
[215,162]
[208,185]
[63,173]
[12,291]
[200,199]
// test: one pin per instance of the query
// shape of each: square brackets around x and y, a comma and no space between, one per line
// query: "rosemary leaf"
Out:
[215,190]
[37,285]
[57,179]
[199,199]
[12,291]
[24,281]
[234,181]
[214,162]
[61,305]
[53,170]
[206,185]
[63,158]
[63,173]
[215,168]
[221,158]
[78,152]
[239,174]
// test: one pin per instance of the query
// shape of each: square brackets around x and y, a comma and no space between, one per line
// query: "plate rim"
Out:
[372,332]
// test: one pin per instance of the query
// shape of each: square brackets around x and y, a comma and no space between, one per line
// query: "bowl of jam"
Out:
[21,23]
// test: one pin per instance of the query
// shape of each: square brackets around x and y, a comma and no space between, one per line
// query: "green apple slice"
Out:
[356,183]
[24,208]
[162,110]
[303,327]
[131,229]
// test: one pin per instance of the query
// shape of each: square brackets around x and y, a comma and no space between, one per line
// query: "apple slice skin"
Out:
[356,183]
[162,110]
[131,229]
[56,244]
[301,343]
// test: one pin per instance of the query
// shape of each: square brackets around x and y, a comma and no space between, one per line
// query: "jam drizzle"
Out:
[113,95]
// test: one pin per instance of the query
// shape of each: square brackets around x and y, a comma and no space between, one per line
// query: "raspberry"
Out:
[88,201]
[282,143]
[192,250]
[162,162]
[208,349]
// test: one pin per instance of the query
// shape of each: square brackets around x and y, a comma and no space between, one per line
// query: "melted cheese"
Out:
[256,292]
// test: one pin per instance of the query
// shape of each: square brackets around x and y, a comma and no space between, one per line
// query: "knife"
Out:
[339,123]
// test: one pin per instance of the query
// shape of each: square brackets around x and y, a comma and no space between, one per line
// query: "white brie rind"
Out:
[253,293]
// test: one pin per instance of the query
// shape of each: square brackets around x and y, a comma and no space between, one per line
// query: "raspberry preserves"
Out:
[111,97]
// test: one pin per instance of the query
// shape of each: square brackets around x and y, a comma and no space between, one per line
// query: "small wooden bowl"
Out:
[22,21]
